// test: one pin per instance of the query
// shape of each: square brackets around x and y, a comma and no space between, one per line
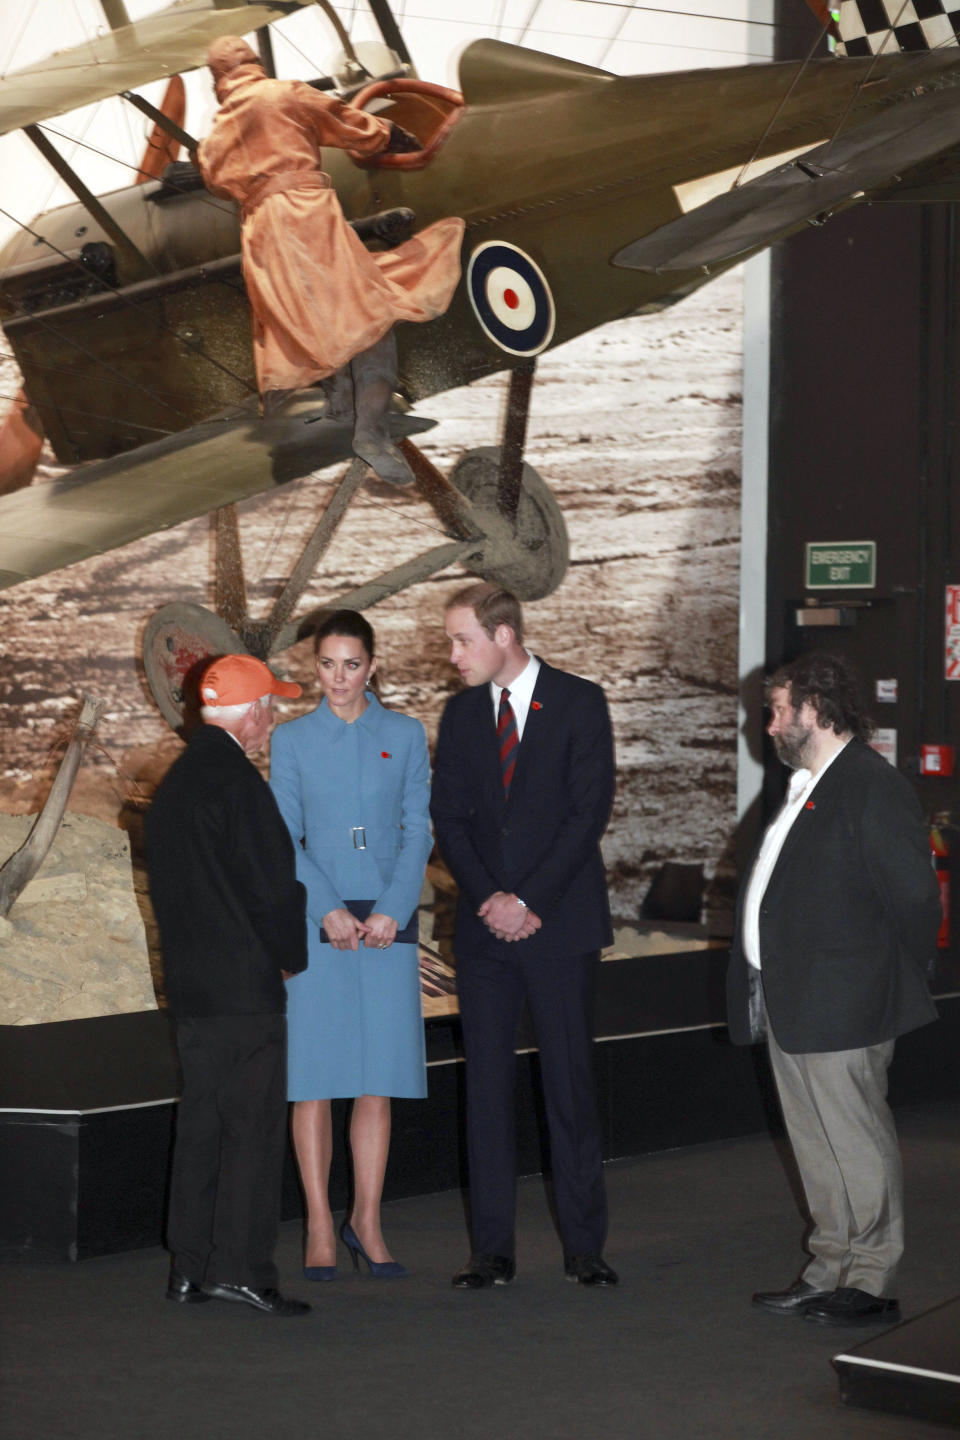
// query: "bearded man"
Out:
[836,934]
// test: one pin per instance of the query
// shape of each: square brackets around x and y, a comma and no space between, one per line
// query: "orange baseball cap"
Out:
[236,679]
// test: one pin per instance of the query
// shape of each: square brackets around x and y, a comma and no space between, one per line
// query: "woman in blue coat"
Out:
[352,781]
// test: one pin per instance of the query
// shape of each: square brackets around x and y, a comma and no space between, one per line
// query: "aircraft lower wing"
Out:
[111,502]
[872,157]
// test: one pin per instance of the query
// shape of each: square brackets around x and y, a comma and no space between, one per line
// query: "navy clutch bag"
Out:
[360,909]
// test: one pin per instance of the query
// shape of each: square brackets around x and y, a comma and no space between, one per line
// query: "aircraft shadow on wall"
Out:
[587,197]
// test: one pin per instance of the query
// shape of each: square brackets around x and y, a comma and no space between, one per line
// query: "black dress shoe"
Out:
[483,1270]
[184,1291]
[589,1270]
[849,1306]
[270,1301]
[795,1301]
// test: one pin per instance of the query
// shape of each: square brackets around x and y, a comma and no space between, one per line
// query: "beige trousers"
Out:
[842,1132]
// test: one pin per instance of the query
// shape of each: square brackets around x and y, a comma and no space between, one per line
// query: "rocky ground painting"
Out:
[636,428]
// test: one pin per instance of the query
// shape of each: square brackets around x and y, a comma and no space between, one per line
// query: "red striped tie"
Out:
[507,739]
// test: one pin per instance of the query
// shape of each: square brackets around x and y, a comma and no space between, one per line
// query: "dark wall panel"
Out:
[862,447]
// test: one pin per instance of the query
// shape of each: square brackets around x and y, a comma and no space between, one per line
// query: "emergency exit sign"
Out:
[841,564]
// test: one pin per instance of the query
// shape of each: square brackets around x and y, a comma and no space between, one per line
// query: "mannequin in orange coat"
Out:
[323,305]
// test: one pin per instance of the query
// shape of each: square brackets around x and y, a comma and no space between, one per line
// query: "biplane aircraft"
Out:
[587,197]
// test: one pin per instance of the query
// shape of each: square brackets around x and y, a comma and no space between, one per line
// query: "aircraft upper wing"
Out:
[872,157]
[111,502]
[162,44]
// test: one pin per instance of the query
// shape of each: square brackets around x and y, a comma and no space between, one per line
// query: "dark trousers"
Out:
[492,985]
[228,1154]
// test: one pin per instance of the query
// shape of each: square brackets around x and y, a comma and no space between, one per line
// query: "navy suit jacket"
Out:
[849,919]
[543,843]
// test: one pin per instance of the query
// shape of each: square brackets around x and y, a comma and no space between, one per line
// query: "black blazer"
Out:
[542,844]
[849,920]
[231,911]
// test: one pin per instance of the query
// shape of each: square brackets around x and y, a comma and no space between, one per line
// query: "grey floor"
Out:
[93,1350]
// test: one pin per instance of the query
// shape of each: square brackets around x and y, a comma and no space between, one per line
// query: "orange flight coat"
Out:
[318,296]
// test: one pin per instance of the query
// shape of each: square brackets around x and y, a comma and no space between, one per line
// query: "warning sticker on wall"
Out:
[952,634]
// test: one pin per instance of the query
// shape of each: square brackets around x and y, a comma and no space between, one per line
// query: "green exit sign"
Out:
[841,564]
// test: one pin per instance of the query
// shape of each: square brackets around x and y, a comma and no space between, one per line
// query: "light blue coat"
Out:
[355,1024]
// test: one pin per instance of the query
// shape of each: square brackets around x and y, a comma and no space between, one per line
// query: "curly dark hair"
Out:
[832,686]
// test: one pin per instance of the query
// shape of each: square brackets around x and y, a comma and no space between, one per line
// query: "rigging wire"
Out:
[202,195]
[404,515]
[535,6]
[55,180]
[104,365]
[527,25]
[779,109]
[131,303]
[311,64]
[16,43]
[50,368]
[92,415]
[856,94]
[279,530]
[615,36]
[483,28]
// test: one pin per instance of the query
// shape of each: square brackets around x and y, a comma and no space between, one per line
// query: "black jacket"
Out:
[222,878]
[542,844]
[849,919]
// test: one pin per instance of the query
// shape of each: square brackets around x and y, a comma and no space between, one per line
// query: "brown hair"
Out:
[349,623]
[492,605]
[833,688]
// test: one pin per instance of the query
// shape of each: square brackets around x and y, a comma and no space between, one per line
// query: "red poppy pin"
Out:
[536,705]
[809,805]
[385,755]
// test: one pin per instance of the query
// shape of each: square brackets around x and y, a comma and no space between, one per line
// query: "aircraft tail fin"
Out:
[867,27]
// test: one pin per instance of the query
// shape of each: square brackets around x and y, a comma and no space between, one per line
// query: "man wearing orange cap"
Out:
[232,919]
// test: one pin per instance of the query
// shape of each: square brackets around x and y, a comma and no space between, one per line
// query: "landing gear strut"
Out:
[501,519]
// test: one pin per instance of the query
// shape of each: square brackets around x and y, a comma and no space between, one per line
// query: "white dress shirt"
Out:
[521,693]
[802,784]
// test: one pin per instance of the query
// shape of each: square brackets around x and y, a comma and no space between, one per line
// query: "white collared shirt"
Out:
[521,693]
[801,786]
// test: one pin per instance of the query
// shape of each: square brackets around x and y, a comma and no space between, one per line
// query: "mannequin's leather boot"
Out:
[374,380]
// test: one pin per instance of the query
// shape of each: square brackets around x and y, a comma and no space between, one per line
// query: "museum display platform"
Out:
[912,1370]
[87,1107]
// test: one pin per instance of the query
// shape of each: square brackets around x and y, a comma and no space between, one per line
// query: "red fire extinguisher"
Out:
[940,854]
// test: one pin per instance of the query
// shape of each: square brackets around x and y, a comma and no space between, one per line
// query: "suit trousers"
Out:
[224,1212]
[845,1143]
[492,985]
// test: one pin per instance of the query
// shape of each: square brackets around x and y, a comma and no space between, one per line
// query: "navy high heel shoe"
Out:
[379,1269]
[319,1272]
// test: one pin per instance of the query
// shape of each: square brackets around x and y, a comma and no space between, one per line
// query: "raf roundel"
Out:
[511,298]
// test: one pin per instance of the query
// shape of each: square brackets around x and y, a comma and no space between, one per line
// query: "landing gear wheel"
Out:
[529,558]
[178,639]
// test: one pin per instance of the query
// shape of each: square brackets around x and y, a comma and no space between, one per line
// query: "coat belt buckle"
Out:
[359,837]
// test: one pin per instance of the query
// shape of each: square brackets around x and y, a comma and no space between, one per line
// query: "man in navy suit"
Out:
[522,791]
[836,933]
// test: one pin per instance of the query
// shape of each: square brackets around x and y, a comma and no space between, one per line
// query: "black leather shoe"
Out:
[184,1291]
[795,1301]
[849,1306]
[270,1301]
[483,1270]
[589,1270]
